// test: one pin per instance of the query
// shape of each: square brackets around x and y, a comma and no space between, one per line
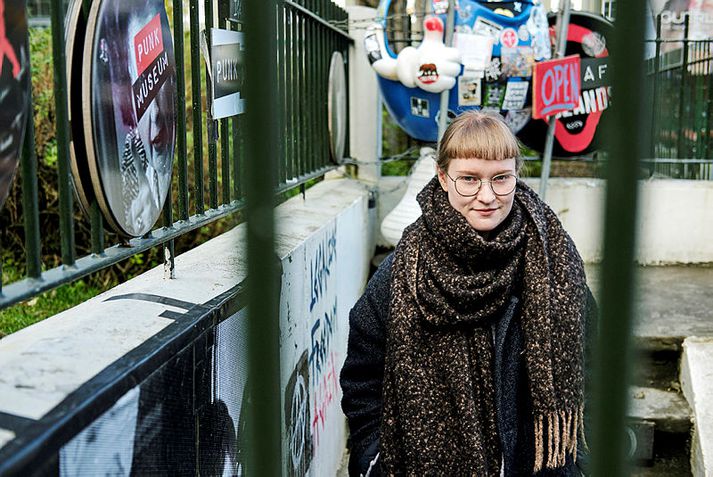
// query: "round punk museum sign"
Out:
[129,96]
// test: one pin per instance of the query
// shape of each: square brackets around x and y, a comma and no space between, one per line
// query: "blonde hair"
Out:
[475,134]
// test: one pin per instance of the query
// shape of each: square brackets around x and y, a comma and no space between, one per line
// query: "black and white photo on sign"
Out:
[469,89]
[515,95]
[105,447]
[132,93]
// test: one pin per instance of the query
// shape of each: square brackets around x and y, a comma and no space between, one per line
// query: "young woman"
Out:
[466,351]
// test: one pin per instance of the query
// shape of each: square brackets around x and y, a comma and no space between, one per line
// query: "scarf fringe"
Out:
[556,435]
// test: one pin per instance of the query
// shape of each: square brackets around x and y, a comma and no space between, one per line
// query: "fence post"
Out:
[612,353]
[263,138]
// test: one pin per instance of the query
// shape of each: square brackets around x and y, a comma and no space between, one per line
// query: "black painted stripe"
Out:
[163,300]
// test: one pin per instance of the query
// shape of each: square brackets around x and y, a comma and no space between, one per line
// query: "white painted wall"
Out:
[675,222]
[326,232]
[323,276]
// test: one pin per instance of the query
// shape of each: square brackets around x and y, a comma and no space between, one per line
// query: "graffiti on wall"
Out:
[297,419]
[321,267]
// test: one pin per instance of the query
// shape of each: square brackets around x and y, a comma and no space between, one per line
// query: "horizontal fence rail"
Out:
[206,183]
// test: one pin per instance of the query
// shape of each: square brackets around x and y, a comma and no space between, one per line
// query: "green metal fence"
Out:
[680,73]
[306,38]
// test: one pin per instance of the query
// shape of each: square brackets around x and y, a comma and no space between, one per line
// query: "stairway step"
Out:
[672,302]
[668,410]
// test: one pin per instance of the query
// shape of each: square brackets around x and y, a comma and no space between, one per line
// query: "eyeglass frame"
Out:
[480,185]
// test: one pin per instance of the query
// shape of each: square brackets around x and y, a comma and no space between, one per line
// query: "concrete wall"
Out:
[56,368]
[675,223]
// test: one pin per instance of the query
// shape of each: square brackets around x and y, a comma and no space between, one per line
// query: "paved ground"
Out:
[673,303]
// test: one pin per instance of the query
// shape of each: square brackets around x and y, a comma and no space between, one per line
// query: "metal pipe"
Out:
[613,351]
[562,29]
[30,208]
[262,134]
[196,103]
[59,62]
[443,109]
[181,146]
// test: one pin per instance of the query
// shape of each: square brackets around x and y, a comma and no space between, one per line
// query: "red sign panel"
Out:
[148,44]
[555,86]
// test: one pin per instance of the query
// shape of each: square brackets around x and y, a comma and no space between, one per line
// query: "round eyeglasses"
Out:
[469,186]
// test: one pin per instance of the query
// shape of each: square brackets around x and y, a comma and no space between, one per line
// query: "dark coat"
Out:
[363,374]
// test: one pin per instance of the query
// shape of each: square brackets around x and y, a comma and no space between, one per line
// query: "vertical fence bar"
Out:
[225,160]
[289,92]
[196,104]
[280,91]
[303,101]
[210,122]
[237,148]
[264,445]
[223,14]
[30,208]
[682,90]
[66,218]
[613,353]
[655,75]
[181,146]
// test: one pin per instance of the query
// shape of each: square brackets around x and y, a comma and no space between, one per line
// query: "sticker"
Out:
[517,61]
[522,33]
[504,12]
[469,90]
[489,28]
[476,50]
[440,6]
[492,72]
[508,38]
[428,73]
[371,45]
[419,107]
[517,6]
[515,95]
[465,12]
[540,33]
[494,95]
[594,43]
[516,119]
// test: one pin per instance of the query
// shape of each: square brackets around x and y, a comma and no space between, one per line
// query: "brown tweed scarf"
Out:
[448,285]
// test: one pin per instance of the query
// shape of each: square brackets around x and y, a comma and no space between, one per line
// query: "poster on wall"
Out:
[225,415]
[129,97]
[14,89]
[673,14]
[228,72]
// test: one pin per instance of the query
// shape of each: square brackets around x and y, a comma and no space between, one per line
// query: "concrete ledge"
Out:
[697,383]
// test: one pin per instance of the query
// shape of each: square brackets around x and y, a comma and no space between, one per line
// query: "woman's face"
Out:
[485,210]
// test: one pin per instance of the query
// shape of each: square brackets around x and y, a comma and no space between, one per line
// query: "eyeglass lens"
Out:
[500,185]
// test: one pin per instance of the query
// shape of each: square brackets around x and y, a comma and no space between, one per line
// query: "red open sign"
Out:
[555,86]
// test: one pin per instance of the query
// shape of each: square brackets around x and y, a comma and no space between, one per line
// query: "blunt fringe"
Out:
[478,135]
